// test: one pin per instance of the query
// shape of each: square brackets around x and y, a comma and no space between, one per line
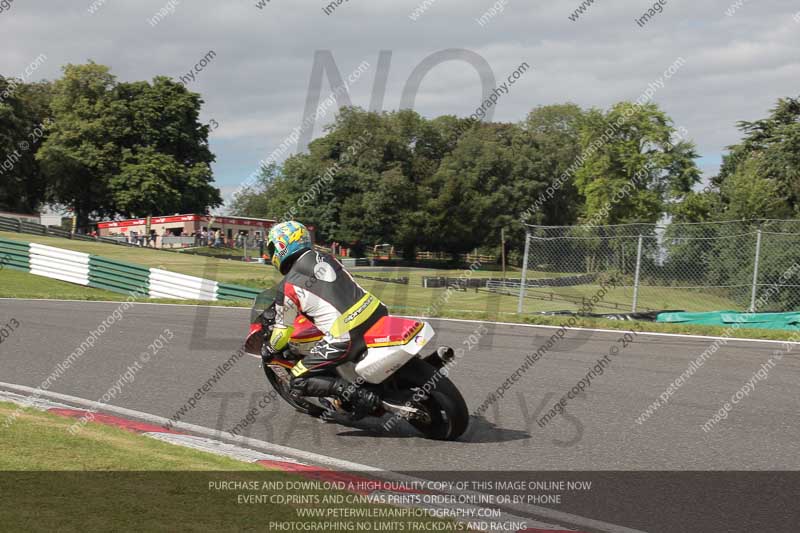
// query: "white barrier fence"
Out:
[60,264]
[107,274]
[166,284]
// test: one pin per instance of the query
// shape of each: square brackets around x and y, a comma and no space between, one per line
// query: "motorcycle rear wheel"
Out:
[447,413]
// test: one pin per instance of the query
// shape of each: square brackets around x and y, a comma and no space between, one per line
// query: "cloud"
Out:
[256,87]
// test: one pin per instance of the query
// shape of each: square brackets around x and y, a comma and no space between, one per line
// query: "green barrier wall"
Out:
[118,276]
[15,255]
[226,291]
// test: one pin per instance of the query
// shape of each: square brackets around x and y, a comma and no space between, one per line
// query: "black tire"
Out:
[283,390]
[449,415]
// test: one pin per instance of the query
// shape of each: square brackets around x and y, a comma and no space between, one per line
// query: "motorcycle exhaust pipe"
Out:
[446,354]
[441,357]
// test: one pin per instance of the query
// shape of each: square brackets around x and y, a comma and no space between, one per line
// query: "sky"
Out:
[706,64]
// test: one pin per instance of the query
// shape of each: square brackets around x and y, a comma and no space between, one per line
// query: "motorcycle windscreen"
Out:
[262,302]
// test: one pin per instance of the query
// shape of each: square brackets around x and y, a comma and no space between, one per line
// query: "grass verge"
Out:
[108,479]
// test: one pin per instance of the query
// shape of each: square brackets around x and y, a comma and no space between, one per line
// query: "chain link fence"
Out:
[717,266]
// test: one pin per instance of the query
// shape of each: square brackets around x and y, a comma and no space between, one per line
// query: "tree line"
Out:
[107,148]
[450,184]
[104,148]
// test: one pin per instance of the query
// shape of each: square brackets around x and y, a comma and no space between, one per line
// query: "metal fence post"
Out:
[636,276]
[755,272]
[524,272]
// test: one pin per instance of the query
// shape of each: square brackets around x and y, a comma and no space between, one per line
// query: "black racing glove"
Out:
[268,353]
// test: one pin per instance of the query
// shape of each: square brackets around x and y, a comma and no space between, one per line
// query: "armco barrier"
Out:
[18,225]
[166,284]
[58,263]
[226,291]
[9,224]
[112,275]
[15,255]
[118,276]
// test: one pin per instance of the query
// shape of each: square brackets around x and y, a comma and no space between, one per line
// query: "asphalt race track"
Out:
[599,433]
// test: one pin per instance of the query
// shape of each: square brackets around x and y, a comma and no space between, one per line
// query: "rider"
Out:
[317,285]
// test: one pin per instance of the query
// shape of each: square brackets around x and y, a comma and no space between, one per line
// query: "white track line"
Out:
[470,321]
[599,330]
[283,451]
[215,446]
[122,301]
[277,449]
[462,513]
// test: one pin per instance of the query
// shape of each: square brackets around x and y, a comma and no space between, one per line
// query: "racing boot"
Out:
[358,401]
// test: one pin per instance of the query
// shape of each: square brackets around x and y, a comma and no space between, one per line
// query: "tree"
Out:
[551,143]
[472,192]
[253,200]
[131,149]
[749,193]
[697,207]
[164,150]
[24,119]
[766,161]
[79,154]
[360,183]
[634,166]
[450,184]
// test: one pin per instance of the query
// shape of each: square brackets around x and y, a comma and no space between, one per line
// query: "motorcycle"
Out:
[412,386]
